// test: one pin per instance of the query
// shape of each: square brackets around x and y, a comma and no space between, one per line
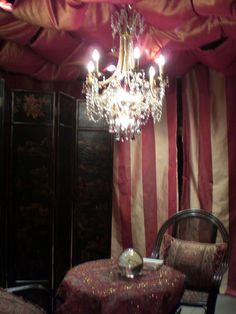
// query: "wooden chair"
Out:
[195,242]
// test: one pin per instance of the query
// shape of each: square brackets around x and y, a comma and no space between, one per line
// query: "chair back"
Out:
[197,225]
[193,225]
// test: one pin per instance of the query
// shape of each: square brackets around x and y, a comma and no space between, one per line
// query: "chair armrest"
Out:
[35,293]
[27,287]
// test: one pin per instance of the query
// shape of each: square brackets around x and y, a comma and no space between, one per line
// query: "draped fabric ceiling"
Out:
[51,40]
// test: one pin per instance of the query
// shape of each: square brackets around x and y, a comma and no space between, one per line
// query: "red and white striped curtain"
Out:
[145,170]
[209,142]
[145,182]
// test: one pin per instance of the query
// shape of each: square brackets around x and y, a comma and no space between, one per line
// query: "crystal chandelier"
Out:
[127,98]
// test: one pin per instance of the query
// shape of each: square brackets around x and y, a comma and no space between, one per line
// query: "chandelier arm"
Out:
[125,61]
[120,57]
[107,81]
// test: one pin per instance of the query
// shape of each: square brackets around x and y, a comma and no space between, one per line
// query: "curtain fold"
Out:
[209,146]
[145,182]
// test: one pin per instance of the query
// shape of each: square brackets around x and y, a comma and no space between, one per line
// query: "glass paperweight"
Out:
[130,263]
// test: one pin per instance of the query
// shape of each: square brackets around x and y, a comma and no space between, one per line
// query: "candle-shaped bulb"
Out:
[90,67]
[137,53]
[152,73]
[96,57]
[160,61]
[111,68]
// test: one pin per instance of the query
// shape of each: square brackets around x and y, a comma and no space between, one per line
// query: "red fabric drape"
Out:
[145,184]
[56,37]
[209,177]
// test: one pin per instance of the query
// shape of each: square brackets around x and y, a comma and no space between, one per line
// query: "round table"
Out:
[96,287]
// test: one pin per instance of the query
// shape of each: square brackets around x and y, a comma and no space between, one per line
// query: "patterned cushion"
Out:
[199,261]
[11,304]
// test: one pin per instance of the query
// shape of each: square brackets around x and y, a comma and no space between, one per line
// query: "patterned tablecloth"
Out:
[96,287]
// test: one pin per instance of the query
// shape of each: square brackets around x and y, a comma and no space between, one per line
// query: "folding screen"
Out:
[55,184]
[29,203]
[92,213]
[209,130]
[145,182]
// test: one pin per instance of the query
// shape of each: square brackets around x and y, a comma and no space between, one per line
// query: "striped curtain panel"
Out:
[145,183]
[209,143]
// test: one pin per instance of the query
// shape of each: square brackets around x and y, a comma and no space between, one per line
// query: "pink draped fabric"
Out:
[145,183]
[59,35]
[209,175]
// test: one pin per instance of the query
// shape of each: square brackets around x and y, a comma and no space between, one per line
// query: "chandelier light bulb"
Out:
[152,72]
[95,55]
[90,67]
[137,53]
[161,62]
[111,68]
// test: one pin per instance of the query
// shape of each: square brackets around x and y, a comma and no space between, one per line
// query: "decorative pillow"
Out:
[12,304]
[198,261]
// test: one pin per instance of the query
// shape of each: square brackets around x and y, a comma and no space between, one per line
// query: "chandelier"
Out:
[127,98]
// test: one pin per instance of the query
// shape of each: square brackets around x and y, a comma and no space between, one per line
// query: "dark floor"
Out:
[224,305]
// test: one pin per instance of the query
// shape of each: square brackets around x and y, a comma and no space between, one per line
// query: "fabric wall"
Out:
[209,132]
[145,182]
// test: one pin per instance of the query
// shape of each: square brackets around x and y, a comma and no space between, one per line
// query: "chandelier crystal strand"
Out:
[126,99]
